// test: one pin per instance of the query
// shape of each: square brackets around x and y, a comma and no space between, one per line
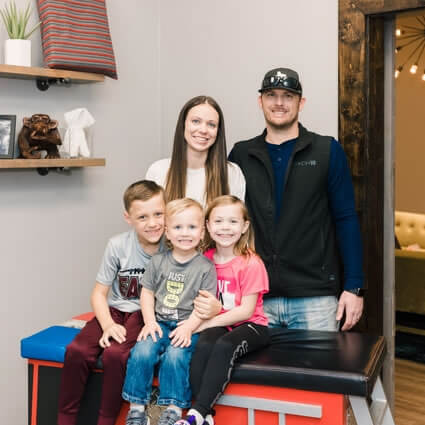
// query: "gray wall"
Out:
[55,227]
[225,51]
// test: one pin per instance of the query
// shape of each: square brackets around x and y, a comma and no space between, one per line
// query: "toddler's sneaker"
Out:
[169,417]
[136,417]
[188,420]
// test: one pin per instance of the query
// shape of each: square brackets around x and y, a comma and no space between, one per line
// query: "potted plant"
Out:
[17,49]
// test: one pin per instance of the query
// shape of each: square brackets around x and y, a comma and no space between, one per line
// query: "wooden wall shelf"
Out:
[52,163]
[31,73]
[45,77]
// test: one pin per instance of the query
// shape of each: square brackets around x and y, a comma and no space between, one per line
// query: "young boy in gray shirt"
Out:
[170,284]
[115,300]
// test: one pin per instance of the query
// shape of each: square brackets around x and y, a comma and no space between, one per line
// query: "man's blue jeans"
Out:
[174,362]
[311,313]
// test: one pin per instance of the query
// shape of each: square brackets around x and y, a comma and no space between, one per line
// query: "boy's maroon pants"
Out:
[81,356]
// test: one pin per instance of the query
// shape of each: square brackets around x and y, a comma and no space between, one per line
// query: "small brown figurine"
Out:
[39,133]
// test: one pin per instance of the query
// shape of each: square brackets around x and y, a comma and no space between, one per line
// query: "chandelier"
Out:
[411,40]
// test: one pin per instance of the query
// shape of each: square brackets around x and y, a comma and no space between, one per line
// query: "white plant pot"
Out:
[17,52]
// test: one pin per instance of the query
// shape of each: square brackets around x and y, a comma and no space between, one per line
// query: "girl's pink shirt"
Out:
[238,277]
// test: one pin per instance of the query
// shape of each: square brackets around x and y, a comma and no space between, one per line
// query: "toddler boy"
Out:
[170,284]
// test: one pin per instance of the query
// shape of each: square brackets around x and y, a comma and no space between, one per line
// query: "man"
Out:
[300,197]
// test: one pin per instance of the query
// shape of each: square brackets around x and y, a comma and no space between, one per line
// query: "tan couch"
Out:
[410,262]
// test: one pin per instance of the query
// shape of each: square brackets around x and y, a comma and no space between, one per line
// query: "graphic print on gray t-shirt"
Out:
[176,285]
[129,282]
[123,265]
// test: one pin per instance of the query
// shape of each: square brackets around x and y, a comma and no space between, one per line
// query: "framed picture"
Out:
[7,135]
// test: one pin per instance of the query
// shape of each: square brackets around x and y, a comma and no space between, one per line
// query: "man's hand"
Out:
[206,305]
[181,336]
[353,307]
[151,329]
[115,331]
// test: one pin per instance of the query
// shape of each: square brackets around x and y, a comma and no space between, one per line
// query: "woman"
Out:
[198,167]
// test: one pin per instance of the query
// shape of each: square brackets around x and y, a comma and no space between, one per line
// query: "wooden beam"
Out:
[379,7]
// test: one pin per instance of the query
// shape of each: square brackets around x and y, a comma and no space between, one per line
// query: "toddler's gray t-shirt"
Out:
[176,285]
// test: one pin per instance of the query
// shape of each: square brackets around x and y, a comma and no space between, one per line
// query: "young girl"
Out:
[241,327]
[198,168]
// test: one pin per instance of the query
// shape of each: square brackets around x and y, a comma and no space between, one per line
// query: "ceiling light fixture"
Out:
[411,41]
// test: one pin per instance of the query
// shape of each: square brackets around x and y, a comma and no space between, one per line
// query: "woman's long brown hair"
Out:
[216,178]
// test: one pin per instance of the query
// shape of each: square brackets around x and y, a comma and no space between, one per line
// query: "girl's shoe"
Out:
[188,420]
[209,420]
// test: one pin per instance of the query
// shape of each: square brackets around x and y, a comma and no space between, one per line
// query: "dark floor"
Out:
[410,337]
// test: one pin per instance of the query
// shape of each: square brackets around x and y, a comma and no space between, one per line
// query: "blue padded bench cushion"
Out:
[49,344]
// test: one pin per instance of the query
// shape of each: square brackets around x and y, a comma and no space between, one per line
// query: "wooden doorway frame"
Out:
[361,131]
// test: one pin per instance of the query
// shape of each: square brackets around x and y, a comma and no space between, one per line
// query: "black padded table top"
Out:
[333,362]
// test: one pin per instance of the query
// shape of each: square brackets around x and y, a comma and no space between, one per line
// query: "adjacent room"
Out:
[409,214]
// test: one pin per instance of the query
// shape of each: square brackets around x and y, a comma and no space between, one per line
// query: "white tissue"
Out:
[75,142]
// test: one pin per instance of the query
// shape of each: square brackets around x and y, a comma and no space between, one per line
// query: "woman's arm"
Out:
[157,171]
[237,183]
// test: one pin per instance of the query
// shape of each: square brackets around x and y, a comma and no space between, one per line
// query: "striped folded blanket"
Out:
[75,35]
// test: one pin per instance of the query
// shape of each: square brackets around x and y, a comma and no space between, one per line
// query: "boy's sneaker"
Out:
[136,417]
[168,417]
[188,420]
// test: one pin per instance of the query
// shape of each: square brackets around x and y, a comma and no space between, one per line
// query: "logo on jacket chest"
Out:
[306,163]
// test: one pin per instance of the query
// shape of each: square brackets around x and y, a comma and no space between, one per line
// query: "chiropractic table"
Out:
[302,378]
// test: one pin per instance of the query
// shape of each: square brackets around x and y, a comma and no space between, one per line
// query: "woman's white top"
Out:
[195,179]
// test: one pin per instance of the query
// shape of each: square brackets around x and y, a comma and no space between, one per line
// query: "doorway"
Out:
[409,204]
[362,131]
[409,142]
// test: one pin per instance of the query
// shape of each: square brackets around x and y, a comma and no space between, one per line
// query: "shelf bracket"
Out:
[44,83]
[43,171]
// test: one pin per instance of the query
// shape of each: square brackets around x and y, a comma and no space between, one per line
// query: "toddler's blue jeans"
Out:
[174,362]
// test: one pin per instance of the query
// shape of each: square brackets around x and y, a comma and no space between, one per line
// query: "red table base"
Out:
[261,403]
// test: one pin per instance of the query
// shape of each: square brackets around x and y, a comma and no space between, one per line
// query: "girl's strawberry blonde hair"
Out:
[245,245]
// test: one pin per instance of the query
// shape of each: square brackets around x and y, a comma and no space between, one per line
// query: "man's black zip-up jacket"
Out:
[299,250]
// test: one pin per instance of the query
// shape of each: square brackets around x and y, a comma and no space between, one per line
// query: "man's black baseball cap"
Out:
[282,78]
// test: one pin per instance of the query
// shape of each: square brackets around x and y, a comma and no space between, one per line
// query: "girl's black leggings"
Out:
[214,357]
